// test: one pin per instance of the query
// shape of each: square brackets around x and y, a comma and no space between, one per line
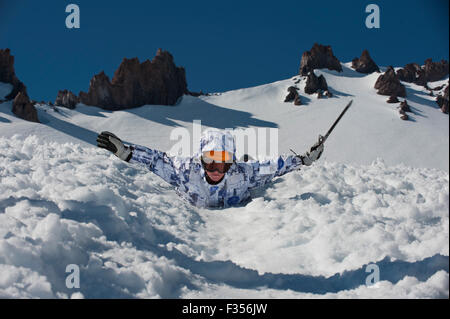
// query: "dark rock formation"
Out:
[404,107]
[314,83]
[328,93]
[8,75]
[292,94]
[196,94]
[319,57]
[442,100]
[135,84]
[100,92]
[429,72]
[23,108]
[393,99]
[432,71]
[297,100]
[389,84]
[409,73]
[67,99]
[365,64]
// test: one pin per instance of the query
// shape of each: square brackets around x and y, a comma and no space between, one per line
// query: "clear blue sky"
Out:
[222,44]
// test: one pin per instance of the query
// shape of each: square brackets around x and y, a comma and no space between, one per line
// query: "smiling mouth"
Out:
[215,174]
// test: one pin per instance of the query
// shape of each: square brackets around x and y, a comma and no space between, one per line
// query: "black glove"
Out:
[314,153]
[112,143]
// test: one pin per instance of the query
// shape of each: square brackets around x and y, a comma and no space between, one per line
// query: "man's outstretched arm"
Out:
[156,161]
[265,171]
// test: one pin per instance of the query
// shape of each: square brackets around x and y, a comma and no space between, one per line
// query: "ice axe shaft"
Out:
[324,138]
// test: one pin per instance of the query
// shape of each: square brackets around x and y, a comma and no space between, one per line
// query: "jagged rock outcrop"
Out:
[429,72]
[67,99]
[409,73]
[293,96]
[442,100]
[432,71]
[365,64]
[23,108]
[315,84]
[392,99]
[319,57]
[135,84]
[8,74]
[389,84]
[404,107]
[100,92]
[196,94]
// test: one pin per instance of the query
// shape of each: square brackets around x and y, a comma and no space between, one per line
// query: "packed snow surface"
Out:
[132,236]
[379,196]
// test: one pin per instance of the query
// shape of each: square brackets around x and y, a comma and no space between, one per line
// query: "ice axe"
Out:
[322,139]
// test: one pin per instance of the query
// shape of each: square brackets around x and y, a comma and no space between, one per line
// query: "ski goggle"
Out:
[217,156]
[220,167]
[220,161]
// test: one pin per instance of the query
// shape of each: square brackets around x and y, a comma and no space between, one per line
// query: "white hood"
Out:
[216,140]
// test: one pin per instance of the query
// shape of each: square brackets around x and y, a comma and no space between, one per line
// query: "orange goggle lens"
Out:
[217,156]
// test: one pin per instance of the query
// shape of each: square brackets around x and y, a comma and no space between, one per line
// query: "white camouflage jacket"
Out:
[188,176]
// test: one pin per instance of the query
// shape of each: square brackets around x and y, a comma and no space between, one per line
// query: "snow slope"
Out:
[377,196]
[370,129]
[132,236]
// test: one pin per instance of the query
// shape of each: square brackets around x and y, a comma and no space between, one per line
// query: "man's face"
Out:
[216,164]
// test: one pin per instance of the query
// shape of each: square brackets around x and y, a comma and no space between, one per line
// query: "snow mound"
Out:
[310,233]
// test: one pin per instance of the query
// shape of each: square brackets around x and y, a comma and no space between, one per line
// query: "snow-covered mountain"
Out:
[378,195]
[371,129]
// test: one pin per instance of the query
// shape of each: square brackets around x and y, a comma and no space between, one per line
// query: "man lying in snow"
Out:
[213,177]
